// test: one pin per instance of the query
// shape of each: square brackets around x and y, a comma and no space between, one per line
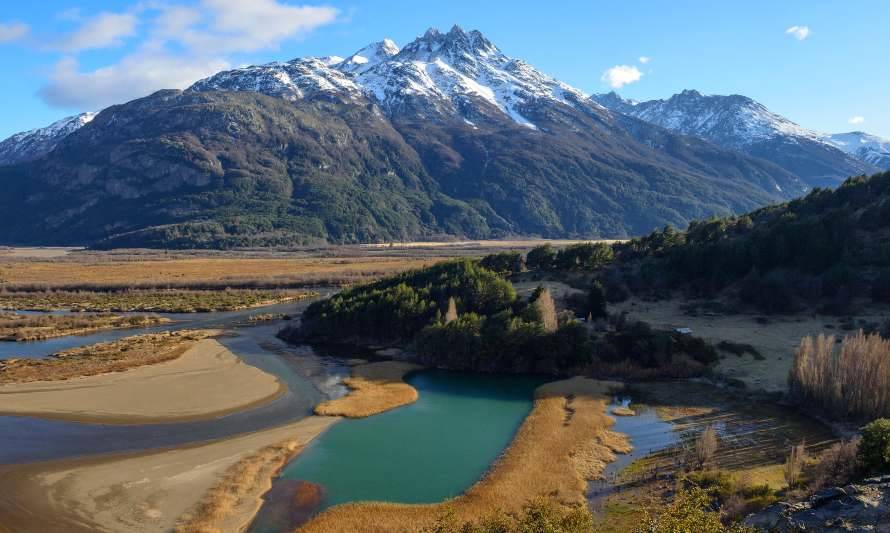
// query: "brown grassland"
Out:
[564,442]
[110,271]
[102,358]
[29,328]
[374,388]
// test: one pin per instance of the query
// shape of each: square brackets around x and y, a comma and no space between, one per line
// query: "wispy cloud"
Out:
[621,75]
[174,45]
[645,59]
[798,32]
[101,31]
[13,31]
[134,76]
[856,120]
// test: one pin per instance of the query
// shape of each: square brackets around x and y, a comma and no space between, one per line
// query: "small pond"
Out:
[425,452]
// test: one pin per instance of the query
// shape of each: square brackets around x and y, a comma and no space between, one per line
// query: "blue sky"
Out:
[822,64]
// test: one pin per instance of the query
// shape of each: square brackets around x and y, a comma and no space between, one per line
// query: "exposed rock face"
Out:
[861,507]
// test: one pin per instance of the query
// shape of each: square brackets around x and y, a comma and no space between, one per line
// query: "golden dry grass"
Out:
[30,327]
[563,442]
[245,479]
[375,388]
[110,271]
[102,358]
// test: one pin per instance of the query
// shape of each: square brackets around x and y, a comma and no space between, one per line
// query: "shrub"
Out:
[689,512]
[541,258]
[837,465]
[503,263]
[874,447]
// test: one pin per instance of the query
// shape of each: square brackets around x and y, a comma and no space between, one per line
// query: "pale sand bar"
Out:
[153,491]
[207,381]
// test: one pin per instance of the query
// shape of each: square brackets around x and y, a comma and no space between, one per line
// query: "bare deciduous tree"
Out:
[451,313]
[706,446]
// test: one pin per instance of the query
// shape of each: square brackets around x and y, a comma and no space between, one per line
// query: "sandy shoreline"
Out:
[207,381]
[149,491]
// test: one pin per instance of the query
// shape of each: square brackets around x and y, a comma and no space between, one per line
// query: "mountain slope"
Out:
[30,145]
[447,136]
[869,148]
[738,122]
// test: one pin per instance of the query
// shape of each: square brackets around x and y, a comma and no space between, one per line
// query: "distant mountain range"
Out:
[740,123]
[447,136]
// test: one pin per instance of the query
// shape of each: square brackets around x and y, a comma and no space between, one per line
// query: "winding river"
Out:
[309,377]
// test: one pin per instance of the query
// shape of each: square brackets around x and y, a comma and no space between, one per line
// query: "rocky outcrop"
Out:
[860,507]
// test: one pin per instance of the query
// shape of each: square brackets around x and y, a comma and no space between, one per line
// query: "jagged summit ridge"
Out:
[741,123]
[457,73]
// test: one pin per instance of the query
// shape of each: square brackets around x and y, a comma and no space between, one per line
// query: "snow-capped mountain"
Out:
[864,146]
[740,123]
[30,145]
[450,75]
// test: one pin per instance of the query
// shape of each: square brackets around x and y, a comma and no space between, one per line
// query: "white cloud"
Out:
[621,75]
[645,59]
[179,44]
[13,32]
[798,32]
[103,30]
[134,76]
[856,120]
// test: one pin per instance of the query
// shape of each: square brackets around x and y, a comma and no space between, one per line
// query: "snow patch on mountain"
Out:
[445,73]
[865,146]
[30,145]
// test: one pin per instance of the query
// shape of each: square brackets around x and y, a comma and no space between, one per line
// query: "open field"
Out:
[775,337]
[562,443]
[154,491]
[374,388]
[29,327]
[115,356]
[110,271]
[197,385]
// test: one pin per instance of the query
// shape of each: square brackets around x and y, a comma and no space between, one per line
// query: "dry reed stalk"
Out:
[852,381]
[375,388]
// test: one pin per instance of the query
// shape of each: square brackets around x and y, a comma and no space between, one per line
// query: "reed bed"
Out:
[243,481]
[30,328]
[102,358]
[563,442]
[375,388]
[160,301]
[850,381]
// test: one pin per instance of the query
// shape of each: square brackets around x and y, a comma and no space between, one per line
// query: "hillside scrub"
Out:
[822,251]
[852,381]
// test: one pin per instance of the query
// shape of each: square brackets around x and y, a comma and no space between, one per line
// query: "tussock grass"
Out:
[563,443]
[30,328]
[850,381]
[102,358]
[246,480]
[375,388]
